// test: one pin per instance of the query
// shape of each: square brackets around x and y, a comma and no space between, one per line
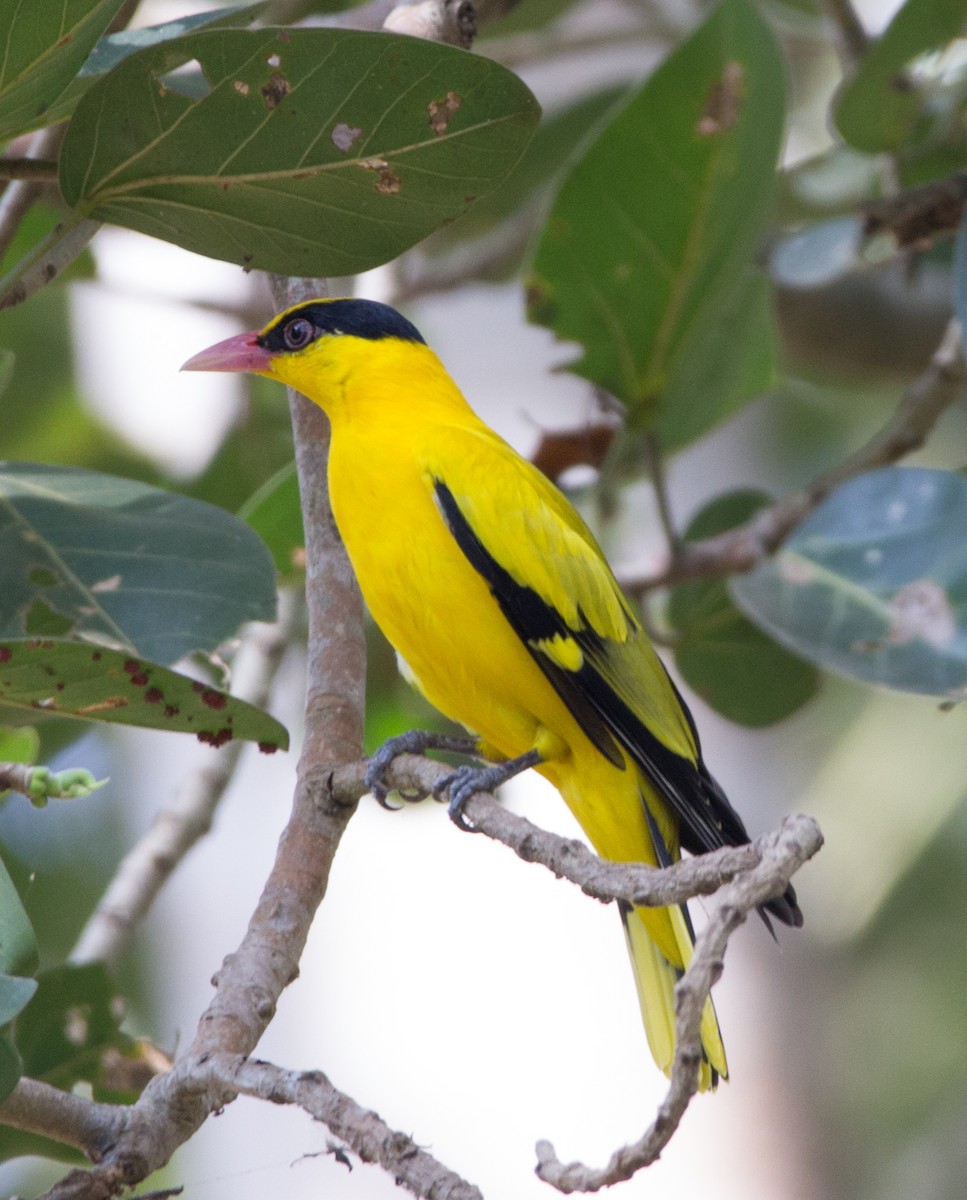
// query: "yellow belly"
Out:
[441,618]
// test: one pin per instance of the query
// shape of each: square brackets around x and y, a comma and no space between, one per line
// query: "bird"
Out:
[505,614]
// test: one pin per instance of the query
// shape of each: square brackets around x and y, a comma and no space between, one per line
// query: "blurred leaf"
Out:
[314,151]
[91,555]
[527,16]
[116,47]
[18,946]
[723,657]
[7,360]
[727,357]
[834,182]
[878,108]
[654,229]
[64,1031]
[42,47]
[11,1066]
[18,958]
[15,993]
[817,254]
[79,680]
[19,745]
[960,277]
[874,583]
[275,513]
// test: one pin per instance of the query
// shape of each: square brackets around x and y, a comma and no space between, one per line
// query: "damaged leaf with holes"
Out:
[301,151]
[76,679]
[873,584]
[90,555]
[646,257]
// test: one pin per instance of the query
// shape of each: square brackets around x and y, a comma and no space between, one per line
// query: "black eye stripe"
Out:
[330,318]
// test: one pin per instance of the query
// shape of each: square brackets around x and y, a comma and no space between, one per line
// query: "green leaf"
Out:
[960,278]
[18,745]
[275,513]
[873,584]
[18,958]
[551,147]
[11,1065]
[728,356]
[15,994]
[18,946]
[312,152]
[42,47]
[116,47]
[89,555]
[880,106]
[71,1021]
[73,679]
[738,670]
[654,230]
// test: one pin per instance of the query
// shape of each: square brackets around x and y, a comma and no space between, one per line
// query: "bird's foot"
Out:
[467,780]
[416,741]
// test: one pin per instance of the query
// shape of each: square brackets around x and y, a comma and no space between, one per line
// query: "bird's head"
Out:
[311,346]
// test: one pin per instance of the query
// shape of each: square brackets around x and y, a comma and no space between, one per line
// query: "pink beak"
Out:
[239,353]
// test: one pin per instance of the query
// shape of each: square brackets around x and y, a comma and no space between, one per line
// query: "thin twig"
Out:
[566,858]
[659,483]
[363,1131]
[918,215]
[177,828]
[47,259]
[782,854]
[853,36]
[21,195]
[40,170]
[741,549]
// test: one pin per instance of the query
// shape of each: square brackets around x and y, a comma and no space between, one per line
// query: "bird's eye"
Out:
[298,333]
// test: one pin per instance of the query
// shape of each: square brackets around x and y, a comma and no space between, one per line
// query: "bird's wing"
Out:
[554,586]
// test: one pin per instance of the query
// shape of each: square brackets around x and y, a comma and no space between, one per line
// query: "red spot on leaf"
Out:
[197,686]
[132,666]
[5,654]
[213,699]
[268,747]
[215,739]
[96,656]
[171,710]
[140,679]
[154,696]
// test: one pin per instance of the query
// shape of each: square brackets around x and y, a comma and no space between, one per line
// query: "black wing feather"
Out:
[707,819]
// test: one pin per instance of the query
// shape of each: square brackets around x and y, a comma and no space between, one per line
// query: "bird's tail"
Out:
[654,934]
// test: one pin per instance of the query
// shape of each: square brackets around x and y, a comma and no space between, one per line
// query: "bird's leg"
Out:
[467,780]
[416,741]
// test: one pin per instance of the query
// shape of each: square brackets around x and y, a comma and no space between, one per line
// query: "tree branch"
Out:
[173,1106]
[742,548]
[363,1131]
[74,1120]
[782,854]
[919,214]
[21,195]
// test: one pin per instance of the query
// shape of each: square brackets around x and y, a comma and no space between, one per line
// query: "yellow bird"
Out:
[505,614]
